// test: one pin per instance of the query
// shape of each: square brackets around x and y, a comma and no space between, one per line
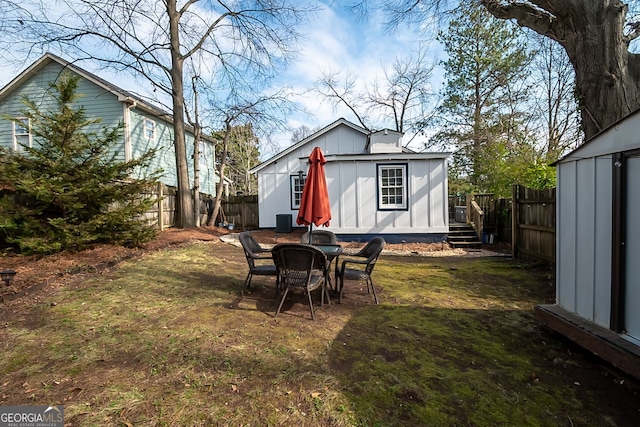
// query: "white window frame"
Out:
[149,129]
[20,135]
[296,188]
[390,188]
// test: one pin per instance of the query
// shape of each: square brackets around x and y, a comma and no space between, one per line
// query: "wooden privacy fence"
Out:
[534,223]
[242,211]
[496,214]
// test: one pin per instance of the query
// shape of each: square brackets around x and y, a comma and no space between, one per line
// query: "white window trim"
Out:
[405,187]
[16,146]
[147,120]
[292,187]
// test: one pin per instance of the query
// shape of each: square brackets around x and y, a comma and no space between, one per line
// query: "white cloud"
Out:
[338,41]
[335,41]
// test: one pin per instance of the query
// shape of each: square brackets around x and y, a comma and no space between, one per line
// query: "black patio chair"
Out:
[302,267]
[359,266]
[259,259]
[319,237]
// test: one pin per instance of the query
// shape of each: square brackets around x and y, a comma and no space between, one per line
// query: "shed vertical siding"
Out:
[585,223]
[590,286]
[273,196]
[419,189]
[584,238]
[566,241]
[632,250]
[603,241]
[353,187]
[438,195]
[348,194]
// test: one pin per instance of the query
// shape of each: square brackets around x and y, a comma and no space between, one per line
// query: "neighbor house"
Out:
[145,125]
[376,187]
[598,246]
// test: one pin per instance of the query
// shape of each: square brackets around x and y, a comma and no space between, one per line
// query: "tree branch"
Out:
[540,19]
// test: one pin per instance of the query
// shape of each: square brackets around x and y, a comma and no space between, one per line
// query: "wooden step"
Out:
[463,236]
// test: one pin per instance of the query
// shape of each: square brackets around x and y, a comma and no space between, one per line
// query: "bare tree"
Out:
[264,113]
[343,91]
[154,40]
[244,154]
[401,98]
[555,102]
[301,132]
[596,34]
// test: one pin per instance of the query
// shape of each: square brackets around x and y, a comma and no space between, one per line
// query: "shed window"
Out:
[21,134]
[150,129]
[392,187]
[297,185]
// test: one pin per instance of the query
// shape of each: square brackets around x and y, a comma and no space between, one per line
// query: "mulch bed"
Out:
[36,273]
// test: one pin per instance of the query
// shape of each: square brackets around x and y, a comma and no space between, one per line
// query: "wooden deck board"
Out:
[602,342]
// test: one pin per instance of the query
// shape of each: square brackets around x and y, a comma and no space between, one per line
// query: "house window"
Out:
[21,134]
[150,129]
[392,187]
[297,184]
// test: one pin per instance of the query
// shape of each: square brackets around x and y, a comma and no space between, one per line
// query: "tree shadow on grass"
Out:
[407,365]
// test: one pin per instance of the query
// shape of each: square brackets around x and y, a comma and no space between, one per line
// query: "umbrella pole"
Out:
[310,228]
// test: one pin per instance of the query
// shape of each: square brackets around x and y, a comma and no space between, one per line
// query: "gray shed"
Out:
[598,246]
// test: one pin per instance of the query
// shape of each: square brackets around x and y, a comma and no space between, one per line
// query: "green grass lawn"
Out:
[171,339]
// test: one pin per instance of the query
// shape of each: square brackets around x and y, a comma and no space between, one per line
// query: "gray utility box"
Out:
[283,223]
[460,214]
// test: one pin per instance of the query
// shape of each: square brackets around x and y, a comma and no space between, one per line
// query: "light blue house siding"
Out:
[165,159]
[96,101]
[113,106]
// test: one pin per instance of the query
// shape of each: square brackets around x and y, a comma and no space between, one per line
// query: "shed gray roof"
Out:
[623,135]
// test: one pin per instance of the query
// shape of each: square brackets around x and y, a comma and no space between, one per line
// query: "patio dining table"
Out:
[331,252]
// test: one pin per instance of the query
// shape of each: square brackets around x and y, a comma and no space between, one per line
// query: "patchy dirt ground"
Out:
[39,276]
[36,273]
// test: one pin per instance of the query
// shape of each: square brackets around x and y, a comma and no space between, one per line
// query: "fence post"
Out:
[160,210]
[243,206]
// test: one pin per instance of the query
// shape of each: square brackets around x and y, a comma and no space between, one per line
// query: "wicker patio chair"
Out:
[301,267]
[319,237]
[258,258]
[359,266]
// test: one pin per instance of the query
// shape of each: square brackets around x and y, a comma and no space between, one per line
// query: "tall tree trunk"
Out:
[197,134]
[185,209]
[222,165]
[606,86]
[592,33]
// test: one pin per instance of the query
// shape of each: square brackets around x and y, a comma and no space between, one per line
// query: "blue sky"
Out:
[335,40]
[339,41]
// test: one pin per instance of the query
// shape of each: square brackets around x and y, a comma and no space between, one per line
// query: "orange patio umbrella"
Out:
[315,207]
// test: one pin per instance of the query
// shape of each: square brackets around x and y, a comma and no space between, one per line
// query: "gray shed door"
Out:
[632,250]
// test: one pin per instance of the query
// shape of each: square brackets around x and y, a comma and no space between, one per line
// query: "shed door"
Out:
[632,249]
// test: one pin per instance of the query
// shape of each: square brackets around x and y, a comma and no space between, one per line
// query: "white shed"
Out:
[411,206]
[598,246]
